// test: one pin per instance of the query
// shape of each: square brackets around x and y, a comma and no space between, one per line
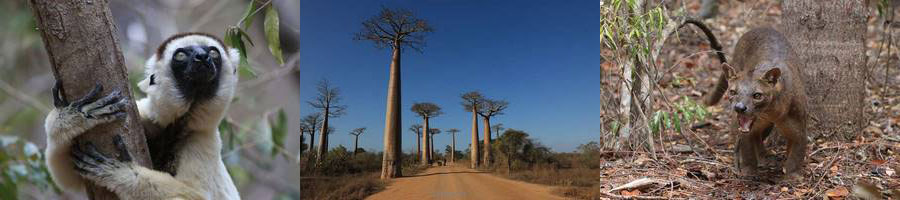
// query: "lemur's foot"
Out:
[94,165]
[92,108]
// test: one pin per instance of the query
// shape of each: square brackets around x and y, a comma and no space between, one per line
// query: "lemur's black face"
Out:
[196,70]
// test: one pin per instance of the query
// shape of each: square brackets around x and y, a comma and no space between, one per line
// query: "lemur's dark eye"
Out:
[180,56]
[214,54]
[757,96]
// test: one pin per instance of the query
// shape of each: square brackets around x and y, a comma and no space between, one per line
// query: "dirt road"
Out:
[452,182]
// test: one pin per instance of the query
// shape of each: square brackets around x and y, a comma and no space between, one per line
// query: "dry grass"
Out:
[348,187]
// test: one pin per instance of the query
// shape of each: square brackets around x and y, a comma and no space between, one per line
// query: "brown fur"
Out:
[768,92]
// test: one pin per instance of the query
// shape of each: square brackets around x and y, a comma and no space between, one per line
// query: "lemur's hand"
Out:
[100,168]
[86,112]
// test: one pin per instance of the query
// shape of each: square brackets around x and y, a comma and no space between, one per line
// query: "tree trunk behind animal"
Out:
[473,151]
[487,141]
[80,39]
[829,38]
[390,165]
[323,138]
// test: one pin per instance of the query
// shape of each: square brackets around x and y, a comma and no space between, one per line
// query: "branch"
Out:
[24,98]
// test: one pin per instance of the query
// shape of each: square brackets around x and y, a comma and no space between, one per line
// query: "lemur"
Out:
[189,82]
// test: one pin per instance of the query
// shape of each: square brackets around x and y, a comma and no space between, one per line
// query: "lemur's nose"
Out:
[201,56]
[740,108]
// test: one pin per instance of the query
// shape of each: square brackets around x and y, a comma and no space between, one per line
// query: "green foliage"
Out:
[684,112]
[589,154]
[279,132]
[517,147]
[630,29]
[272,37]
[22,162]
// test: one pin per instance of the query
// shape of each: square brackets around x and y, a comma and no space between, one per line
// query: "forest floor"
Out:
[456,182]
[835,168]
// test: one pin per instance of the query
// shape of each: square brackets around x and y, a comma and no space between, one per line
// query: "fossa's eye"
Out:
[757,96]
[732,92]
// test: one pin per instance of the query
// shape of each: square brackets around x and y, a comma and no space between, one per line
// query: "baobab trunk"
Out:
[323,139]
[312,140]
[487,141]
[829,38]
[355,144]
[473,152]
[72,33]
[453,149]
[390,165]
[426,148]
[419,146]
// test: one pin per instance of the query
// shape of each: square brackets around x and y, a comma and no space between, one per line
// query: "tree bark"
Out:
[487,141]
[390,165]
[323,139]
[312,139]
[419,145]
[453,149]
[426,148]
[473,152]
[80,38]
[829,38]
[355,144]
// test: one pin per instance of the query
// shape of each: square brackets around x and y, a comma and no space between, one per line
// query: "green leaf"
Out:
[279,132]
[235,37]
[655,121]
[247,17]
[272,37]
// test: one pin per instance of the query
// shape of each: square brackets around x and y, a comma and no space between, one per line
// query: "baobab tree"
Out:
[308,125]
[328,102]
[470,104]
[417,129]
[431,133]
[497,128]
[398,29]
[453,132]
[426,111]
[356,132]
[488,109]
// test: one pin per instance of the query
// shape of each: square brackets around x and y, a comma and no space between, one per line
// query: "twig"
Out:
[285,69]
[254,12]
[208,15]
[24,98]
[614,196]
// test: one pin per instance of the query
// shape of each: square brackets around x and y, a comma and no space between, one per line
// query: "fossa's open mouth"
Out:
[745,122]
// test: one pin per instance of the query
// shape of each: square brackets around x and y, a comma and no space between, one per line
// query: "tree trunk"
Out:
[829,39]
[453,149]
[81,42]
[419,145]
[487,141]
[312,139]
[390,165]
[473,151]
[323,138]
[355,144]
[426,148]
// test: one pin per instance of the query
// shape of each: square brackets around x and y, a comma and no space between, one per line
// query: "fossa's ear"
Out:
[772,76]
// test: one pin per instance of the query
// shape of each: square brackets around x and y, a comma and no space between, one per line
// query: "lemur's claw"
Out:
[91,163]
[59,100]
[89,97]
[112,105]
[123,150]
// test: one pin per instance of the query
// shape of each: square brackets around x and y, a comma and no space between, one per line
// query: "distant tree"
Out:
[432,132]
[497,128]
[356,132]
[471,100]
[426,111]
[397,29]
[308,125]
[488,109]
[512,145]
[453,132]
[417,129]
[328,102]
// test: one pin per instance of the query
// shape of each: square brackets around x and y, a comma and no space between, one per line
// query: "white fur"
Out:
[201,174]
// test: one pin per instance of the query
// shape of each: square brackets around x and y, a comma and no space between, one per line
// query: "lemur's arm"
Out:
[70,166]
[69,120]
[126,178]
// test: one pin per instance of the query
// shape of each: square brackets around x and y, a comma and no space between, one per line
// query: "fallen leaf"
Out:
[878,162]
[634,192]
[837,192]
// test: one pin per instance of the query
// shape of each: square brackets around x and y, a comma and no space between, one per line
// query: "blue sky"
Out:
[541,56]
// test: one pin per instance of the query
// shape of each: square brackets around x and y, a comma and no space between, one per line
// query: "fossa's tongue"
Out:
[745,123]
